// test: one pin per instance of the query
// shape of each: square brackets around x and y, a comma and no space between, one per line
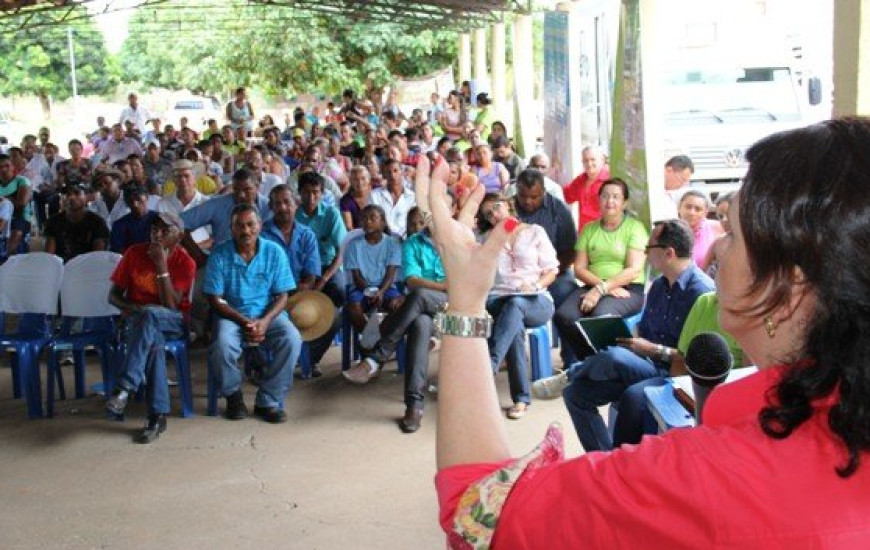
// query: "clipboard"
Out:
[601,332]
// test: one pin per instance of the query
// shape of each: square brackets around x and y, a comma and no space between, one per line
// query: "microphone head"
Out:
[708,359]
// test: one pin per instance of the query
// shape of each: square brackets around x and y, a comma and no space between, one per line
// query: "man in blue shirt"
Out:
[427,295]
[217,212]
[329,228]
[134,227]
[604,377]
[247,280]
[297,240]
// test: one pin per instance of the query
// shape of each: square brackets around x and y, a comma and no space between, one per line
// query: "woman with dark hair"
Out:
[527,265]
[780,460]
[451,118]
[240,113]
[609,263]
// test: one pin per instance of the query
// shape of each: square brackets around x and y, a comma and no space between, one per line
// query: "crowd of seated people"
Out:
[337,192]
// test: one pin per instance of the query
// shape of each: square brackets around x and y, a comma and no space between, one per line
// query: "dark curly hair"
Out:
[805,204]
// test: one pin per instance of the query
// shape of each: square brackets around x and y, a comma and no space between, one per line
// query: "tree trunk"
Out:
[45,103]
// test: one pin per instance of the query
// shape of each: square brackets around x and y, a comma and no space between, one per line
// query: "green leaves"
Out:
[281,51]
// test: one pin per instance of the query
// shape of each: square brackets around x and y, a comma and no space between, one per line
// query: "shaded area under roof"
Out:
[18,15]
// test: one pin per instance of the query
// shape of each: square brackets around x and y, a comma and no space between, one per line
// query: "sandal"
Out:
[517,411]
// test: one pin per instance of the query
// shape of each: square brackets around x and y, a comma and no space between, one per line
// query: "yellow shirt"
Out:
[204,185]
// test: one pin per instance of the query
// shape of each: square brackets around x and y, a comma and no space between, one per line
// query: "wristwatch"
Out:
[465,326]
[664,353]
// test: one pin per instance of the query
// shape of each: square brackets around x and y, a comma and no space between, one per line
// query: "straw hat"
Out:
[312,312]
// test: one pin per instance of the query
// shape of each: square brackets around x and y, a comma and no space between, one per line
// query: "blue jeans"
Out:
[145,335]
[512,315]
[601,379]
[284,343]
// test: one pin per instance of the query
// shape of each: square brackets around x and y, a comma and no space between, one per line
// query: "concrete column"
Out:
[524,85]
[851,57]
[480,74]
[499,73]
[464,57]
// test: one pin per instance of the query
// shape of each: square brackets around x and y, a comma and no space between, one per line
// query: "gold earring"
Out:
[770,326]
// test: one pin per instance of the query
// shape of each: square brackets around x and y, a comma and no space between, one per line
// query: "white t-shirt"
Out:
[173,204]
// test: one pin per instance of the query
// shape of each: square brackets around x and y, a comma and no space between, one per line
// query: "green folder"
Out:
[601,332]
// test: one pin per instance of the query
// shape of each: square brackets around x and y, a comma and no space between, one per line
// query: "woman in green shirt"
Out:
[610,266]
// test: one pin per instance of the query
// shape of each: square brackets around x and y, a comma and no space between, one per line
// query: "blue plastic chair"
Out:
[539,350]
[27,342]
[29,285]
[84,294]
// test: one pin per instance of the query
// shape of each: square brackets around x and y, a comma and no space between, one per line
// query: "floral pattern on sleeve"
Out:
[481,504]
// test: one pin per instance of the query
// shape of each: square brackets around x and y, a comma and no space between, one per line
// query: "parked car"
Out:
[198,109]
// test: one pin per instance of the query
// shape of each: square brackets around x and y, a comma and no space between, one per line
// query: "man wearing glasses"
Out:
[603,378]
[541,163]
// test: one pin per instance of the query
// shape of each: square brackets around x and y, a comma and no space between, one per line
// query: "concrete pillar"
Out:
[464,57]
[851,57]
[499,72]
[480,74]
[524,85]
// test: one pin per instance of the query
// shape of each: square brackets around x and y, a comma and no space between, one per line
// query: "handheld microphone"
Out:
[708,361]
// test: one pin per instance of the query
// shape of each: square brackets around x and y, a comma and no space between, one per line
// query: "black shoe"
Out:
[236,409]
[116,404]
[156,426]
[273,415]
[413,417]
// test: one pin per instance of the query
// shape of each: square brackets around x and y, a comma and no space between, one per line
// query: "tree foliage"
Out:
[37,61]
[275,49]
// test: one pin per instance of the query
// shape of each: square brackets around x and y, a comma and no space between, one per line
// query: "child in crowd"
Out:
[714,254]
[373,261]
[415,222]
[693,209]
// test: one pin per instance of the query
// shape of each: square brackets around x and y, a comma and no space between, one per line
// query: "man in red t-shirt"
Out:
[151,287]
[584,189]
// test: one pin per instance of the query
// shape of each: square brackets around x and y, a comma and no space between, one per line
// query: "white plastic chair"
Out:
[29,285]
[84,293]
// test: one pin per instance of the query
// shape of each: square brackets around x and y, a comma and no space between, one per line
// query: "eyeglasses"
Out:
[487,214]
[614,196]
[648,247]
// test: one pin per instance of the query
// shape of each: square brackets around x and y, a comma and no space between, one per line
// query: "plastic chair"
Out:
[539,350]
[29,285]
[84,293]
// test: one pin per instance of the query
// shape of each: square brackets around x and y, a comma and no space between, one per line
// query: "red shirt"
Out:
[137,275]
[723,485]
[580,190]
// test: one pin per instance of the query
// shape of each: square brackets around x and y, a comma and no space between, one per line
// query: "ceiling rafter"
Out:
[18,15]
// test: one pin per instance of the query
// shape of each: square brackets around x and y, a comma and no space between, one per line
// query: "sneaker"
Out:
[550,387]
[362,372]
[156,425]
[273,415]
[118,402]
[236,409]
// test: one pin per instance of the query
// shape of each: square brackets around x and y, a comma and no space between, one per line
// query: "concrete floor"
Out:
[338,475]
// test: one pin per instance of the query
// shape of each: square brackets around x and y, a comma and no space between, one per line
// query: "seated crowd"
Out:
[219,230]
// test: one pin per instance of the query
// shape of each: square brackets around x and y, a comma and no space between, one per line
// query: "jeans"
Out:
[145,335]
[574,347]
[601,379]
[49,199]
[336,290]
[284,343]
[634,418]
[512,315]
[413,318]
[562,287]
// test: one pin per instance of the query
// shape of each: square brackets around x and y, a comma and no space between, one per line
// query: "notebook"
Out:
[601,332]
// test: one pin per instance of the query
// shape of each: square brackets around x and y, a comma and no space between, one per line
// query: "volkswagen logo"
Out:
[734,157]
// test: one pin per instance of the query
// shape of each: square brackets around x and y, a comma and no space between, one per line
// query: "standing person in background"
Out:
[693,209]
[584,189]
[239,112]
[714,254]
[136,114]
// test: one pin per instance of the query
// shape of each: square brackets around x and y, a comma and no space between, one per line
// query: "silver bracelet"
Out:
[464,326]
